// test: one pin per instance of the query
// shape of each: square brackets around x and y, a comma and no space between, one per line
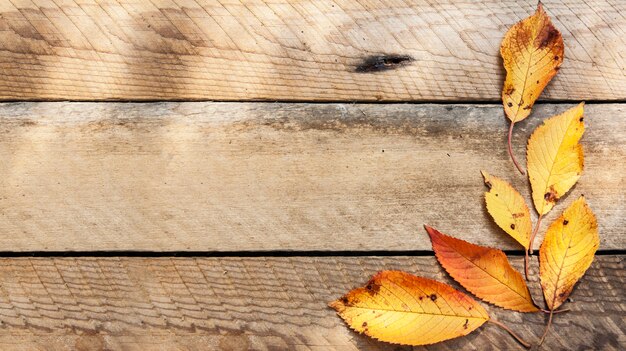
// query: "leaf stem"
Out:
[532,237]
[530,247]
[547,328]
[517,337]
[555,312]
[519,168]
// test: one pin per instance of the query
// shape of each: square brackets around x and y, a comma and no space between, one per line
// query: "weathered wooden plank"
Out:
[261,176]
[256,303]
[302,50]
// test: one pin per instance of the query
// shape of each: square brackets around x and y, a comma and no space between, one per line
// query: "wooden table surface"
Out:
[199,174]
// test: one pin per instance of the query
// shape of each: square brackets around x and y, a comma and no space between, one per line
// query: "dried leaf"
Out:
[555,158]
[508,209]
[401,308]
[567,251]
[532,52]
[483,271]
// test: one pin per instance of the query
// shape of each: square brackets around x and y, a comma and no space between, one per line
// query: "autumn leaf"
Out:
[483,271]
[532,52]
[566,253]
[401,308]
[555,159]
[508,209]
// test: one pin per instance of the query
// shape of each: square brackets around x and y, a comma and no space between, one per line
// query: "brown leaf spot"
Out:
[466,323]
[550,196]
[421,297]
[372,287]
[510,104]
[565,222]
[509,91]
[433,297]
[527,107]
[581,119]
[547,36]
[518,215]
[556,57]
[512,226]
[364,325]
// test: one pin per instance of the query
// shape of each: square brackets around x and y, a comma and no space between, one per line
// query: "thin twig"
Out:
[517,337]
[519,168]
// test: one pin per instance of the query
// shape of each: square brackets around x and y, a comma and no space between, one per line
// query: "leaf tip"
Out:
[487,179]
[337,305]
[432,232]
[582,202]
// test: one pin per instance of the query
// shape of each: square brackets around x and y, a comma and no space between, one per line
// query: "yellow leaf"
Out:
[555,158]
[567,251]
[508,209]
[401,308]
[483,271]
[532,52]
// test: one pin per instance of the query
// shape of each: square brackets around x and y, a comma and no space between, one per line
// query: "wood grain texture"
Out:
[262,176]
[295,50]
[257,303]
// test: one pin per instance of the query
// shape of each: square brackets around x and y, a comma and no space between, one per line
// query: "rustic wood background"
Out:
[193,175]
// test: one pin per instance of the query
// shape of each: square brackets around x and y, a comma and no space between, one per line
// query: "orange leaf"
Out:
[483,271]
[532,52]
[400,308]
[567,251]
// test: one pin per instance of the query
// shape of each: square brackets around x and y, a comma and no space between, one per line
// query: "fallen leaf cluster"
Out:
[401,308]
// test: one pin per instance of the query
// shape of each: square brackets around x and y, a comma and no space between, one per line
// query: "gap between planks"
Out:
[246,254]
